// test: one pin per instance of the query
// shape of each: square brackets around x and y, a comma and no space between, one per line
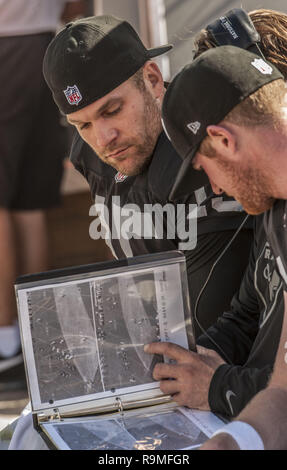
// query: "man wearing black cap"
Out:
[240,143]
[102,77]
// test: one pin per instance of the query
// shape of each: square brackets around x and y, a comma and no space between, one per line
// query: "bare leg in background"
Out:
[23,250]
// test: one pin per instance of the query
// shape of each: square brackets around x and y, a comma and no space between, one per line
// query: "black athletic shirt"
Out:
[218,217]
[219,213]
[247,335]
[275,222]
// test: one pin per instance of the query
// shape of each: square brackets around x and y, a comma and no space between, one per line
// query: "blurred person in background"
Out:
[33,145]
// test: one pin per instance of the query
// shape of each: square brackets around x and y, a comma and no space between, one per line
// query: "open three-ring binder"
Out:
[90,382]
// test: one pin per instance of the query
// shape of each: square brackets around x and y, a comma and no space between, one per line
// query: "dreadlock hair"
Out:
[263,106]
[272,28]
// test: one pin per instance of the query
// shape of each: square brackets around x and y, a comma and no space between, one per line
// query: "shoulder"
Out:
[275,223]
[164,167]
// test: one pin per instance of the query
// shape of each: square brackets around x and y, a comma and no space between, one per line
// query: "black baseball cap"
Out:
[205,91]
[92,56]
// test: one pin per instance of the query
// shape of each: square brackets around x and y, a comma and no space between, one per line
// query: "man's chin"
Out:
[132,168]
[127,171]
[263,206]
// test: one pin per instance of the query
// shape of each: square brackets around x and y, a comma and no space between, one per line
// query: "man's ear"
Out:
[153,79]
[223,140]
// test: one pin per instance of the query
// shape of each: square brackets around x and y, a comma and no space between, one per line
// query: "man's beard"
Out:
[251,187]
[143,145]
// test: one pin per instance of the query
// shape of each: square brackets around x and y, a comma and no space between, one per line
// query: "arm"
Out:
[232,387]
[204,381]
[248,347]
[235,330]
[193,372]
[191,375]
[250,352]
[225,279]
[267,412]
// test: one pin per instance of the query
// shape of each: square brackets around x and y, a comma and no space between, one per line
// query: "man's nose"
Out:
[104,135]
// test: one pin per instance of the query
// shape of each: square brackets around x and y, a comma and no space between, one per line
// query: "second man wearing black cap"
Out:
[241,145]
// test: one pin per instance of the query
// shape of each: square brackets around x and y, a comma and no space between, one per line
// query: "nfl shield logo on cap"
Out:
[73,95]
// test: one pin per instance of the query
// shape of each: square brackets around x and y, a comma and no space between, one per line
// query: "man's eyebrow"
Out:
[108,103]
[99,111]
[73,121]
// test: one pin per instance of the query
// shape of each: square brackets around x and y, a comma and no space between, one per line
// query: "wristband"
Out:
[245,435]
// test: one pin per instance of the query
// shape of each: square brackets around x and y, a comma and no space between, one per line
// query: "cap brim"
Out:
[154,52]
[179,186]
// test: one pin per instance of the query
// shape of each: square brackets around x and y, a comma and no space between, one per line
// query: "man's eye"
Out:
[112,112]
[84,126]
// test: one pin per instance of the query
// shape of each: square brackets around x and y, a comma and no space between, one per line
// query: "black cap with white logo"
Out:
[205,91]
[92,56]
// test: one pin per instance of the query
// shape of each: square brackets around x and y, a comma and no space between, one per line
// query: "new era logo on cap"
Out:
[194,127]
[73,95]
